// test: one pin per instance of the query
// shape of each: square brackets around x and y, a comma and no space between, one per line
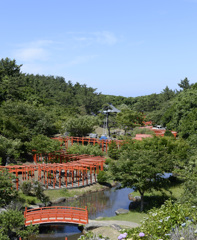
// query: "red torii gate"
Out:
[103,143]
[66,173]
[56,214]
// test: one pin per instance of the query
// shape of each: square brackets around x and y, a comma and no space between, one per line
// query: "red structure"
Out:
[57,214]
[77,173]
[159,132]
[68,141]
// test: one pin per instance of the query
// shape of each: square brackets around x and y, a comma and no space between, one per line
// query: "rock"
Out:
[121,211]
[116,227]
[59,200]
[99,218]
[2,210]
[48,204]
[94,225]
[33,207]
[41,204]
[134,198]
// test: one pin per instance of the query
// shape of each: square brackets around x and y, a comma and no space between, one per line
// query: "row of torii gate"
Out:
[72,171]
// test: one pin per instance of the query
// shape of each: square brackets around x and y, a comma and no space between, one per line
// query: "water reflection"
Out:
[59,231]
[100,204]
[103,203]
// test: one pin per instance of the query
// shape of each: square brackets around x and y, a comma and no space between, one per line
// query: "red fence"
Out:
[83,140]
[57,214]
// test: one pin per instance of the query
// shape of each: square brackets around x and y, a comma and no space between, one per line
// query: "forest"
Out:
[32,105]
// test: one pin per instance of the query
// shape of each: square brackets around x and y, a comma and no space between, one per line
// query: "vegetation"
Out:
[34,108]
[85,149]
[7,192]
[161,223]
[12,225]
[143,163]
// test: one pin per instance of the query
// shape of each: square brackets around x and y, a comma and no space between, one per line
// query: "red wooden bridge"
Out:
[56,214]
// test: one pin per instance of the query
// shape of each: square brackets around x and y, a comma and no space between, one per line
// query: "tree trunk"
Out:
[142,202]
[109,131]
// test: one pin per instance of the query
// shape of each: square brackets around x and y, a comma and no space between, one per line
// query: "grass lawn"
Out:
[133,216]
[28,200]
[54,194]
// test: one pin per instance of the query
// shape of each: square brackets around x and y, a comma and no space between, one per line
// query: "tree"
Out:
[9,149]
[167,93]
[43,144]
[184,84]
[128,119]
[142,164]
[7,191]
[181,115]
[23,121]
[9,68]
[81,126]
[12,225]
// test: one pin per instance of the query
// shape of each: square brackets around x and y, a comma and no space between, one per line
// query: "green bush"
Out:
[26,188]
[88,149]
[168,133]
[113,151]
[108,161]
[138,130]
[102,177]
[161,223]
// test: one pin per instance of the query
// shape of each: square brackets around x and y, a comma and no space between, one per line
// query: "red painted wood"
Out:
[60,214]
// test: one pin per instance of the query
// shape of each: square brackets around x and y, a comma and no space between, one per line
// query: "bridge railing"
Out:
[56,214]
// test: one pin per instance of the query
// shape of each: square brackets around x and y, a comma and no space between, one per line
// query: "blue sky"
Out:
[121,47]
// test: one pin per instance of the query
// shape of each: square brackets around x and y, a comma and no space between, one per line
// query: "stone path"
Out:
[94,224]
[106,228]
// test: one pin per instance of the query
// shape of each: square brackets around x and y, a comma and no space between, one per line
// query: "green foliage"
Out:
[81,126]
[7,191]
[113,151]
[43,144]
[189,174]
[102,177]
[160,222]
[92,236]
[88,149]
[168,133]
[23,121]
[138,130]
[26,187]
[39,192]
[12,225]
[142,163]
[184,84]
[128,119]
[181,115]
[9,148]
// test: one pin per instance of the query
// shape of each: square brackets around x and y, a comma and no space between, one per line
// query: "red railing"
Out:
[56,214]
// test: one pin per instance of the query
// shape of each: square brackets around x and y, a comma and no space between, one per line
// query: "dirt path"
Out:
[120,223]
[106,229]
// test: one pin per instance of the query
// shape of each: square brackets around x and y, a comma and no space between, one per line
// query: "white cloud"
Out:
[80,60]
[100,37]
[105,38]
[29,52]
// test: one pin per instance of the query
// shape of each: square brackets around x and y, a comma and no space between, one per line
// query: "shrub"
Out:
[113,151]
[102,177]
[88,149]
[161,222]
[26,188]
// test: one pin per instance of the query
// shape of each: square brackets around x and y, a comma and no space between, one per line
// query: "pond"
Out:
[100,204]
